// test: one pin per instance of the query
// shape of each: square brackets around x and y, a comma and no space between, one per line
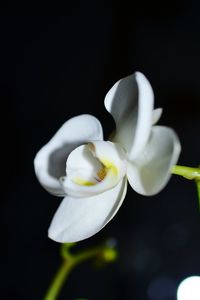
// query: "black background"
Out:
[56,67]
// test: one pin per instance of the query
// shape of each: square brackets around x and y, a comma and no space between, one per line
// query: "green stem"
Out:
[59,279]
[198,191]
[71,260]
[189,173]
[186,172]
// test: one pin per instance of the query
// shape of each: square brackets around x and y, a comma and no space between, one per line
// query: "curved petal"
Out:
[111,155]
[82,161]
[79,218]
[156,115]
[130,102]
[50,161]
[151,171]
[94,168]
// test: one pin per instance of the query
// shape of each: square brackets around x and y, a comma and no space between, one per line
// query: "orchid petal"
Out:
[81,160]
[50,161]
[151,171]
[130,102]
[156,115]
[94,168]
[79,218]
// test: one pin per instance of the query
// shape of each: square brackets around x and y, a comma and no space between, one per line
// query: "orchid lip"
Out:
[93,168]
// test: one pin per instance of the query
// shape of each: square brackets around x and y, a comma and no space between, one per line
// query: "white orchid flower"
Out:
[91,174]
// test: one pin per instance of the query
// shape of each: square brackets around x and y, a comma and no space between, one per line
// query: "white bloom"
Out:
[91,174]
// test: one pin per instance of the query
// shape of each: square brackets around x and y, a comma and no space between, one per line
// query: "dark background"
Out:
[56,67]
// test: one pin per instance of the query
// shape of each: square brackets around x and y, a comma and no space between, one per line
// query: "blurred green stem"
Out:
[59,280]
[189,173]
[198,190]
[105,253]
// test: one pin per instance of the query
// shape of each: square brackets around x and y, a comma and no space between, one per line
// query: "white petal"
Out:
[156,115]
[84,174]
[130,101]
[151,171]
[50,161]
[110,155]
[81,158]
[79,218]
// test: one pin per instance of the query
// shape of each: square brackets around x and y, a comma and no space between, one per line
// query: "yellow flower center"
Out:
[101,174]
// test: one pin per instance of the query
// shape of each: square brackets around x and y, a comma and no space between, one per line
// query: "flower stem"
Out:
[198,191]
[189,173]
[59,279]
[186,172]
[104,253]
